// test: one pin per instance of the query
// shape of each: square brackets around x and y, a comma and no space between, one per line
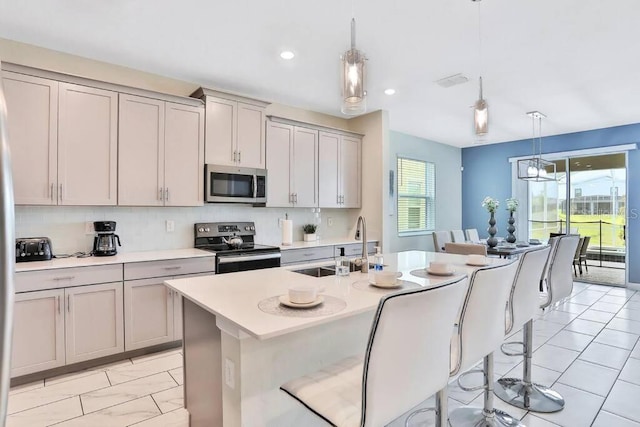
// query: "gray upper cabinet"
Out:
[339,170]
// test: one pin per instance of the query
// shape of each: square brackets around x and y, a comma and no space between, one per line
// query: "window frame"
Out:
[426,197]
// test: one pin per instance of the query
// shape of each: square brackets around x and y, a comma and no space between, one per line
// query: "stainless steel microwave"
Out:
[231,184]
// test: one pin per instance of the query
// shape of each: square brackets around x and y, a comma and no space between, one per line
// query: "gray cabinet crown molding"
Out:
[291,122]
[202,93]
[66,78]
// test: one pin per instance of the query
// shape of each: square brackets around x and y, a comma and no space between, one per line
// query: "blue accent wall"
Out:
[487,172]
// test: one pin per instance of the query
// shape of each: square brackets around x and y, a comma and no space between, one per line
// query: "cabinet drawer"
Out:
[170,267]
[355,249]
[291,256]
[67,277]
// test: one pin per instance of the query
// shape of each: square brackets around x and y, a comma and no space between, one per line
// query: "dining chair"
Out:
[472,235]
[465,248]
[457,236]
[406,360]
[480,331]
[576,257]
[583,252]
[440,238]
[524,393]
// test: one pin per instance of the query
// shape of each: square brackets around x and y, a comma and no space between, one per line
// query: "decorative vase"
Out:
[492,230]
[310,237]
[511,228]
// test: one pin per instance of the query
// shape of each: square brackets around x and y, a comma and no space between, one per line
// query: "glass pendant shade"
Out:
[536,168]
[481,115]
[353,78]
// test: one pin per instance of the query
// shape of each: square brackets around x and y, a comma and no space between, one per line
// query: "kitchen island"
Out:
[238,349]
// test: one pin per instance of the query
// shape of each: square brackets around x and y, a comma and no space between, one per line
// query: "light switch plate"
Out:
[229,373]
[88,227]
[170,225]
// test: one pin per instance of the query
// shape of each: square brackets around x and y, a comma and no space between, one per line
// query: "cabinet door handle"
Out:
[234,156]
[64,278]
[296,197]
[58,301]
[239,156]
[60,192]
[68,303]
[166,194]
[160,194]
[52,192]
[177,267]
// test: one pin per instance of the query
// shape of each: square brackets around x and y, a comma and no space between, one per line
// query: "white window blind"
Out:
[416,196]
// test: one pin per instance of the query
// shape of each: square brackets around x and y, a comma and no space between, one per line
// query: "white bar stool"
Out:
[480,332]
[523,393]
[406,360]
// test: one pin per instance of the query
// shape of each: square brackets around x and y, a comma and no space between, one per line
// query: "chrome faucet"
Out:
[364,259]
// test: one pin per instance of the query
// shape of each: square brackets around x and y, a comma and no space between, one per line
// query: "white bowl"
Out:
[385,277]
[301,294]
[439,267]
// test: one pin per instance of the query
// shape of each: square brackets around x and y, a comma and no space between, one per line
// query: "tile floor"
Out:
[587,348]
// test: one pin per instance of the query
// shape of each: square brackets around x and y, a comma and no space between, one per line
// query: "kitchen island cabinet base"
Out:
[233,379]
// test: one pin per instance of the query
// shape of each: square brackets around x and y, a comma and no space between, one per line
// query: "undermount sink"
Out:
[317,271]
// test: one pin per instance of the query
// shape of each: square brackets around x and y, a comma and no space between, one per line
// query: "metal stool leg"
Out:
[524,394]
[487,416]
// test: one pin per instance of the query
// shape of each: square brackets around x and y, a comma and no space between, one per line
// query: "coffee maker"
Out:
[104,243]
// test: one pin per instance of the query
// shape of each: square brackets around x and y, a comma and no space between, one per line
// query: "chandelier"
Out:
[536,168]
[353,72]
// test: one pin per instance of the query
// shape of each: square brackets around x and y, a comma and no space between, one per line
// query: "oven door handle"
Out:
[241,258]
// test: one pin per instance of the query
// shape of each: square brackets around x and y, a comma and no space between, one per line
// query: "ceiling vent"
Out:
[456,79]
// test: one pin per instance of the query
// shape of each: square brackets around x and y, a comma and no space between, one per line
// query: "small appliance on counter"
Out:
[104,243]
[33,249]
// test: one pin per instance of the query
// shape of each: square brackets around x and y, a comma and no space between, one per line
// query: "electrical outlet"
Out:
[170,226]
[229,373]
[88,228]
[329,221]
[279,222]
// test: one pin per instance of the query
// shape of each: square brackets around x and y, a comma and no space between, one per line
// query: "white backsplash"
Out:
[144,228]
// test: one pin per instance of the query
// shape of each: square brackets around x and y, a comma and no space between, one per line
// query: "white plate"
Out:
[440,273]
[284,300]
[478,264]
[386,286]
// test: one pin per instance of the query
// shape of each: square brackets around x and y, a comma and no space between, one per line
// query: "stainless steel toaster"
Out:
[33,249]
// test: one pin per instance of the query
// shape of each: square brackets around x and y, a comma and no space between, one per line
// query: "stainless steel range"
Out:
[233,244]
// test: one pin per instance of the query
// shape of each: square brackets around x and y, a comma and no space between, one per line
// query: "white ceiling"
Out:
[576,61]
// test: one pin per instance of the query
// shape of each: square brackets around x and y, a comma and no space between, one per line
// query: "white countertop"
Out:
[324,242]
[122,258]
[234,297]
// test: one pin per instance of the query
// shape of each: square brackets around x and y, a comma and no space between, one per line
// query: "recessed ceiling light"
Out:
[389,91]
[287,54]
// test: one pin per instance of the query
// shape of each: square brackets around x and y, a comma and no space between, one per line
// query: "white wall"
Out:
[142,229]
[448,161]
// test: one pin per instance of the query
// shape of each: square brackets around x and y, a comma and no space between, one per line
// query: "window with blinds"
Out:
[416,196]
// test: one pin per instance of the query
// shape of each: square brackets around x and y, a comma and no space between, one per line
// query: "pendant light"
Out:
[536,168]
[480,108]
[353,75]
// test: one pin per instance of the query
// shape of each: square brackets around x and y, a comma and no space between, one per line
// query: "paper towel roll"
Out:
[287,232]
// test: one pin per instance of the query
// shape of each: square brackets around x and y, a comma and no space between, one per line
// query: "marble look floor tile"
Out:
[571,307]
[546,328]
[587,376]
[169,400]
[47,415]
[633,305]
[631,371]
[586,297]
[627,293]
[596,316]
[623,401]
[144,369]
[605,355]
[177,418]
[156,355]
[625,325]
[626,313]
[533,421]
[636,351]
[616,338]
[606,306]
[84,373]
[614,299]
[606,419]
[540,375]
[122,415]
[600,288]
[125,392]
[178,375]
[54,393]
[561,317]
[425,419]
[585,327]
[580,407]
[555,358]
[26,387]
[571,340]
